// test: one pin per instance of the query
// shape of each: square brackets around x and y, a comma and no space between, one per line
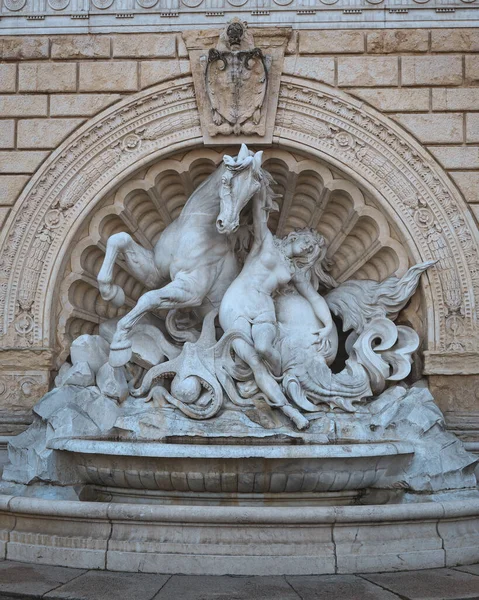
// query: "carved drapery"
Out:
[402,180]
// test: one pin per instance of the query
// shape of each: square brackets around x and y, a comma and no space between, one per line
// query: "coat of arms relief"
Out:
[236,81]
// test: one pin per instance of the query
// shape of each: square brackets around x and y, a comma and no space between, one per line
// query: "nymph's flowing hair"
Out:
[313,264]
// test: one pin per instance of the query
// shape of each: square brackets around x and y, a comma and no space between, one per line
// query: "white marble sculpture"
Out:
[267,333]
[243,346]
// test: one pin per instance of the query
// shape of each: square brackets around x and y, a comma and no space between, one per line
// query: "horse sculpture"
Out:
[193,262]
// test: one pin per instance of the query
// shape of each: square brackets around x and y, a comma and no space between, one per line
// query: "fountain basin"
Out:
[126,471]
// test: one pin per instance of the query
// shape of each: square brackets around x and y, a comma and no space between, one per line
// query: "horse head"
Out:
[241,179]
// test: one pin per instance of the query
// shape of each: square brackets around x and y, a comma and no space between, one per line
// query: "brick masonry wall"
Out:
[426,80]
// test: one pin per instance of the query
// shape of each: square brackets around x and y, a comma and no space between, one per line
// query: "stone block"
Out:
[394,100]
[112,382]
[430,583]
[47,77]
[337,587]
[19,578]
[181,48]
[472,127]
[24,47]
[8,74]
[331,42]
[387,546]
[431,70]
[10,188]
[433,128]
[7,133]
[23,105]
[387,41]
[313,67]
[468,183]
[455,99]
[101,76]
[454,40]
[144,45]
[80,46]
[367,71]
[472,69]
[101,585]
[473,569]
[79,374]
[91,349]
[44,133]
[21,162]
[154,71]
[456,157]
[77,105]
[4,212]
[237,588]
[461,541]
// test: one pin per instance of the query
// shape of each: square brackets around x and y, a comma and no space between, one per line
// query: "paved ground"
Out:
[22,581]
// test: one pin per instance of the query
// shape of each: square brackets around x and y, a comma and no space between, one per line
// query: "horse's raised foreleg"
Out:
[180,293]
[139,260]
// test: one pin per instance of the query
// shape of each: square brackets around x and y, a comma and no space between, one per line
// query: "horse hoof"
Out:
[119,356]
[112,293]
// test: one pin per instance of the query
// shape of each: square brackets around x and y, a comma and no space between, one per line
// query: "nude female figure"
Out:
[248,304]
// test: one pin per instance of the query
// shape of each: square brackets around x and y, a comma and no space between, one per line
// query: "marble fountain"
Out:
[211,430]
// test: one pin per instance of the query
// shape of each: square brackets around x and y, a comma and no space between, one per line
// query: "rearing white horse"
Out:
[193,262]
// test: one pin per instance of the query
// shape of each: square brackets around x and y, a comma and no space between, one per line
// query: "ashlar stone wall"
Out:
[426,80]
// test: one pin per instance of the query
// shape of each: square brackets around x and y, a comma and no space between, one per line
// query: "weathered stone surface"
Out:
[22,105]
[144,45]
[331,42]
[101,76]
[4,212]
[337,587]
[79,374]
[312,67]
[394,100]
[24,48]
[244,588]
[455,99]
[154,71]
[8,75]
[472,69]
[10,187]
[472,127]
[457,157]
[418,585]
[44,133]
[397,40]
[433,128]
[91,349]
[20,578]
[79,105]
[431,70]
[98,585]
[367,71]
[64,369]
[112,382]
[454,40]
[47,77]
[7,133]
[468,183]
[80,46]
[21,162]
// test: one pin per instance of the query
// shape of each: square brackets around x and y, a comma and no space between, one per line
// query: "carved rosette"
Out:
[406,183]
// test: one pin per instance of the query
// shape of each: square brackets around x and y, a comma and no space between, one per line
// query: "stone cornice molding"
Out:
[408,185]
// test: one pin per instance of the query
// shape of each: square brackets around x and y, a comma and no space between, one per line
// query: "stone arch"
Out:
[406,183]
